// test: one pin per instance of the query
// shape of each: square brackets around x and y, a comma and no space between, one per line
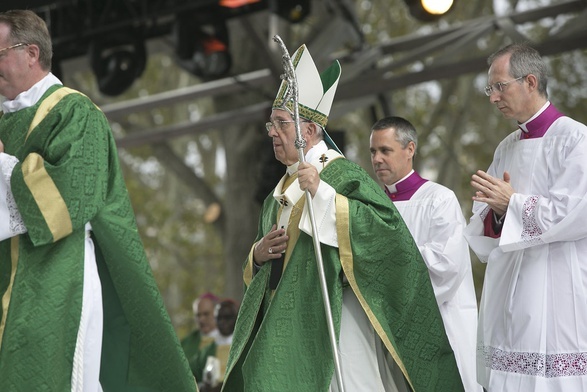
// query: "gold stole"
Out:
[292,231]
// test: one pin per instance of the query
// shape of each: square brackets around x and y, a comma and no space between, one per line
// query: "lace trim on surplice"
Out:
[531,231]
[536,364]
[484,213]
[16,224]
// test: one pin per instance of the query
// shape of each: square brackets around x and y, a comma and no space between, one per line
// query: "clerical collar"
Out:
[538,124]
[222,340]
[405,188]
[31,96]
[315,151]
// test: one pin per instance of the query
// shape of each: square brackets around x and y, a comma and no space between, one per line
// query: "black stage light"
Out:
[117,60]
[202,49]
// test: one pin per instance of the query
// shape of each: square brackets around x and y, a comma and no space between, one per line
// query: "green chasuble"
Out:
[281,340]
[69,175]
[191,343]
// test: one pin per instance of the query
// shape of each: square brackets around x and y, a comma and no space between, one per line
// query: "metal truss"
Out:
[370,72]
[443,54]
[75,24]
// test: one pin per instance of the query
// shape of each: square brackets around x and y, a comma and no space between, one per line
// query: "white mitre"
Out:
[315,91]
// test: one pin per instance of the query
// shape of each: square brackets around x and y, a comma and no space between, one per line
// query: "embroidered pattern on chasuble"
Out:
[47,196]
[73,153]
[12,136]
[391,282]
[346,260]
[25,311]
[293,320]
[8,284]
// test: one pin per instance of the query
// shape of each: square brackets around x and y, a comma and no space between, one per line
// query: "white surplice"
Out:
[11,223]
[533,312]
[435,220]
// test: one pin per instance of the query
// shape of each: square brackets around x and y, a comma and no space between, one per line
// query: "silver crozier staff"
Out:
[292,93]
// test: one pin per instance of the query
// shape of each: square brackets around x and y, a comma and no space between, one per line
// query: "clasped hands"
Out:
[492,190]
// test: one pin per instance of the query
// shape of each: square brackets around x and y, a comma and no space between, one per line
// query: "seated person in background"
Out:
[203,308]
[209,365]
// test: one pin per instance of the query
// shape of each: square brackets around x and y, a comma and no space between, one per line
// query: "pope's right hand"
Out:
[270,246]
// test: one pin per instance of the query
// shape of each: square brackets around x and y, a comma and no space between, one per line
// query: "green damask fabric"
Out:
[191,344]
[282,343]
[141,351]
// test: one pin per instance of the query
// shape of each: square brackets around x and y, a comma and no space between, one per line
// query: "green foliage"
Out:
[185,252]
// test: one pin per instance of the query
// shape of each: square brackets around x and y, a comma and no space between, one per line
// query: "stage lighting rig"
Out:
[117,60]
[201,45]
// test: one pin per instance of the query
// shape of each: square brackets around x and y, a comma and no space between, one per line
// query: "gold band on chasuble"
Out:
[346,260]
[248,271]
[47,196]
[39,182]
[47,105]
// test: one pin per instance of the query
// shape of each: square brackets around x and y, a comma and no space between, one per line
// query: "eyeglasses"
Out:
[279,124]
[500,86]
[12,47]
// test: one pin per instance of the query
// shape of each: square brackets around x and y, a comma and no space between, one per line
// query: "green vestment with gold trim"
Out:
[281,341]
[69,175]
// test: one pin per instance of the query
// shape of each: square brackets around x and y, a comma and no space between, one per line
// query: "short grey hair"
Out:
[524,60]
[405,132]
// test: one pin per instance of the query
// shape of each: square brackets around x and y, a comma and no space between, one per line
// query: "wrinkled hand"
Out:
[493,191]
[308,178]
[270,246]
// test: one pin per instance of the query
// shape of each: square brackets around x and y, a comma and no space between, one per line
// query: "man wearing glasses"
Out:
[528,225]
[385,316]
[80,308]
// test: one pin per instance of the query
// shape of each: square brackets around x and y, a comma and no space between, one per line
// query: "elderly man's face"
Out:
[15,63]
[283,133]
[205,315]
[514,102]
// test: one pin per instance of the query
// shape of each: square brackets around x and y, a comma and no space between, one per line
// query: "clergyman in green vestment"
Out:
[387,323]
[204,308]
[80,308]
